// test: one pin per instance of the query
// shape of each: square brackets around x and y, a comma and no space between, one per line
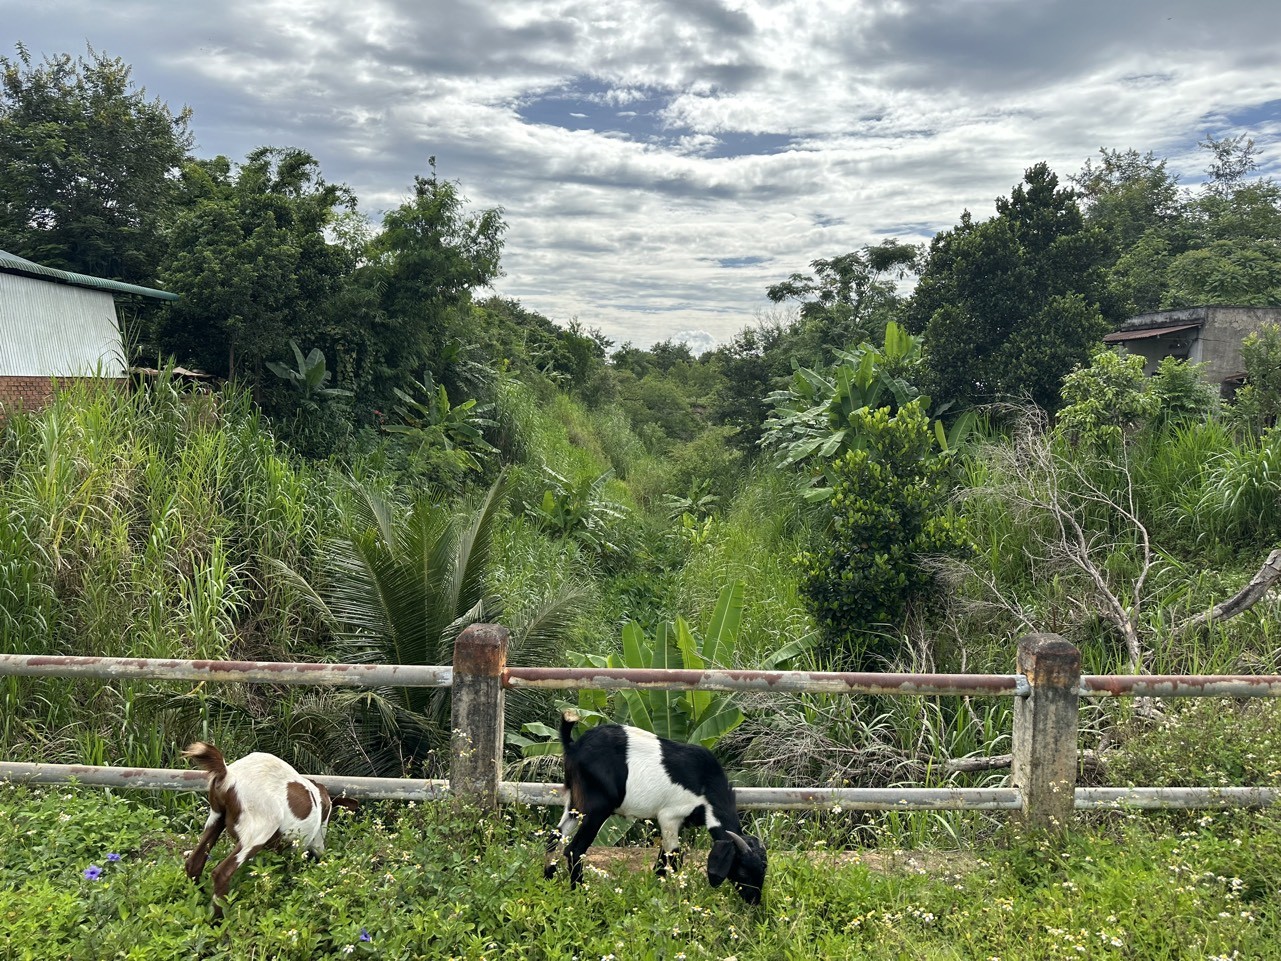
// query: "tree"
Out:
[421,271]
[849,298]
[1128,195]
[250,256]
[87,165]
[1010,305]
[1105,399]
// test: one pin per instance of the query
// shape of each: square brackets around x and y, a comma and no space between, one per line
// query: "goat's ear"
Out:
[720,862]
[350,803]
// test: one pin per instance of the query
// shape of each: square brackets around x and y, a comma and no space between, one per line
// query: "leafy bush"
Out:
[1180,395]
[1258,403]
[889,511]
[1104,400]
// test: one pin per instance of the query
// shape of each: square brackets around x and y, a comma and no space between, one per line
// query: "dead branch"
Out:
[1046,490]
[1240,602]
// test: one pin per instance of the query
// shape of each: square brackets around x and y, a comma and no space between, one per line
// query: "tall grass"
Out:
[754,540]
[138,524]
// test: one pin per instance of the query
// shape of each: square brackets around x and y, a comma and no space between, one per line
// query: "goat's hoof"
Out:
[549,871]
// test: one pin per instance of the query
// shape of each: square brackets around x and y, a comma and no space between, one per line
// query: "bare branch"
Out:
[1239,603]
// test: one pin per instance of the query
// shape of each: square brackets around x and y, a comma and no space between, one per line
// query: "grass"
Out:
[423,881]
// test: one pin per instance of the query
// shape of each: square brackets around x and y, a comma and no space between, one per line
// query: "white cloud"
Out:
[753,133]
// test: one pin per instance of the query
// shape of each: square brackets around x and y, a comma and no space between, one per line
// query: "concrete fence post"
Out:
[476,745]
[1045,731]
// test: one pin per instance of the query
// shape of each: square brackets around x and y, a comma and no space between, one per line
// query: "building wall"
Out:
[1217,344]
[1225,328]
[32,393]
[53,329]
[25,392]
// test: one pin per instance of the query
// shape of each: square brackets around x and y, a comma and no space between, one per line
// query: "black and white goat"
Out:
[624,770]
[259,800]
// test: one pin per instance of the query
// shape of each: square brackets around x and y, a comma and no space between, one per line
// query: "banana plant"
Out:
[696,717]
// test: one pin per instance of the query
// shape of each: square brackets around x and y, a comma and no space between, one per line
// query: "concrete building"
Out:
[1199,335]
[55,324]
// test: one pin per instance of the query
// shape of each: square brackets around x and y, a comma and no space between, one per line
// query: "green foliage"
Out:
[816,420]
[1172,248]
[849,298]
[398,587]
[434,426]
[87,162]
[1180,394]
[1203,742]
[316,427]
[142,525]
[421,269]
[696,717]
[580,510]
[1101,402]
[889,511]
[1242,493]
[427,881]
[1258,403]
[249,254]
[1008,306]
[706,467]
[309,376]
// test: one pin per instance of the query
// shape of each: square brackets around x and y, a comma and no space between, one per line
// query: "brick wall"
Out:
[32,393]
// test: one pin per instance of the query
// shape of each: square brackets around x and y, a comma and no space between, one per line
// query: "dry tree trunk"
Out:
[1239,603]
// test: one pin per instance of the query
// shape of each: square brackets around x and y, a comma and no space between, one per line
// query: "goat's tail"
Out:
[567,722]
[207,757]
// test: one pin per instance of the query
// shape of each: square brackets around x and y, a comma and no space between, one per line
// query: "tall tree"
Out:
[250,255]
[422,268]
[850,298]
[1010,305]
[87,165]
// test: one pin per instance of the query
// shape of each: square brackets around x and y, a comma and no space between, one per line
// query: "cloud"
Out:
[639,148]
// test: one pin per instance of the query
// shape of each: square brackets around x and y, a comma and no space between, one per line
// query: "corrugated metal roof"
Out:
[1120,335]
[13,264]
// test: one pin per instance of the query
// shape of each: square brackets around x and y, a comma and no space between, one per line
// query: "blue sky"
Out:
[661,163]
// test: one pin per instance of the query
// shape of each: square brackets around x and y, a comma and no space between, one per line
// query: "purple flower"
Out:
[92,872]
[364,935]
[113,856]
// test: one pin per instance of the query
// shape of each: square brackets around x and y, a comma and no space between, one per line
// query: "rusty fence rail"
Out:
[1046,691]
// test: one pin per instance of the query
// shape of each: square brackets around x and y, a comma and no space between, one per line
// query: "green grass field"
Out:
[423,881]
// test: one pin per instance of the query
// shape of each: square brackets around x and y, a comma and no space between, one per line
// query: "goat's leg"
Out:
[213,830]
[568,827]
[669,855]
[222,874]
[592,822]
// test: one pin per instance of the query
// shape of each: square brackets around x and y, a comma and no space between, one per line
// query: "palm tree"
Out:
[398,588]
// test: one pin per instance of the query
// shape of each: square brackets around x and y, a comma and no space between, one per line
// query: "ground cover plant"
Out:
[422,880]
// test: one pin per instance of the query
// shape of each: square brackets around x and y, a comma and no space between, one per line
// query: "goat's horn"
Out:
[738,842]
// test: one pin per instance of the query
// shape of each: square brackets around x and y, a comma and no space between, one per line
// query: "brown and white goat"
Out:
[259,800]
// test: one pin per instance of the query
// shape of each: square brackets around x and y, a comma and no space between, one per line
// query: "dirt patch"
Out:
[611,860]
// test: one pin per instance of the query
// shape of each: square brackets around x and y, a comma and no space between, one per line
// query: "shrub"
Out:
[889,510]
[1105,399]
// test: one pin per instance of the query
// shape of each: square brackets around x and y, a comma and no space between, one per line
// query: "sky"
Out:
[660,163]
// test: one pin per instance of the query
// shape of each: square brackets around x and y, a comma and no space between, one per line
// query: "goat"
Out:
[624,770]
[259,800]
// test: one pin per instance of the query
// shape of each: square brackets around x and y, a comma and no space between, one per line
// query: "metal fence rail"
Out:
[814,682]
[1046,689]
[270,672]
